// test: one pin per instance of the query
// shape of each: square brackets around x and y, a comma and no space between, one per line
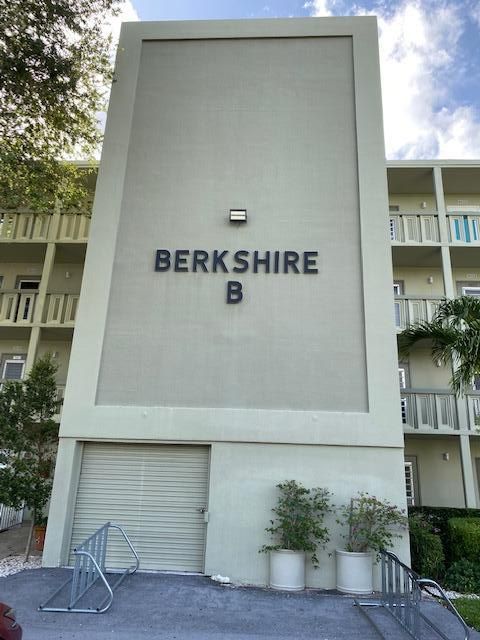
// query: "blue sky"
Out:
[429,53]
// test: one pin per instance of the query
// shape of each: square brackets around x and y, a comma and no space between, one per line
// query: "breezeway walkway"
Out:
[187,607]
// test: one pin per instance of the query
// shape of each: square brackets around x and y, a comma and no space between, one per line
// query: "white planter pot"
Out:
[354,572]
[287,570]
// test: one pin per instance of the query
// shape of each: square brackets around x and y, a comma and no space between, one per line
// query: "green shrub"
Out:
[464,536]
[299,516]
[426,548]
[463,576]
[438,517]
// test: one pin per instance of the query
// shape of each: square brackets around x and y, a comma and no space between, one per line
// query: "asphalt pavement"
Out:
[185,607]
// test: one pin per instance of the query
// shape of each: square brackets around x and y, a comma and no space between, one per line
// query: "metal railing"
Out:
[429,409]
[402,596]
[414,227]
[10,517]
[409,310]
[16,307]
[473,409]
[89,567]
[27,226]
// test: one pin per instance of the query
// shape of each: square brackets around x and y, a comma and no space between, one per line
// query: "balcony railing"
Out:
[43,227]
[408,310]
[61,308]
[429,409]
[17,307]
[464,228]
[473,408]
[414,228]
[73,227]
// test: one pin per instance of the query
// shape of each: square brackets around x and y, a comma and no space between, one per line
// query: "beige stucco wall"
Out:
[242,493]
[440,481]
[463,199]
[413,203]
[416,283]
[12,270]
[61,283]
[424,374]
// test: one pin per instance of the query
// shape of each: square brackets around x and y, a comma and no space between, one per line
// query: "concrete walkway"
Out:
[187,607]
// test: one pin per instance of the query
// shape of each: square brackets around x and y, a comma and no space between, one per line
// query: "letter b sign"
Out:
[234,292]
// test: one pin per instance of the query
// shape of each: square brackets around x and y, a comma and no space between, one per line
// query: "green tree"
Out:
[454,335]
[28,435]
[54,67]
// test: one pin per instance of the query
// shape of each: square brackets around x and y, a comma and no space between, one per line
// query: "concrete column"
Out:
[62,502]
[467,472]
[448,285]
[32,348]
[42,289]
[441,209]
[54,224]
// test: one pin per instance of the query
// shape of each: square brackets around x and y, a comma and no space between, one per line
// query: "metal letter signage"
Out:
[241,261]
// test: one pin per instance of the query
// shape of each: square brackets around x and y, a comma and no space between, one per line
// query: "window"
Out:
[13,367]
[471,291]
[412,487]
[398,304]
[409,486]
[393,229]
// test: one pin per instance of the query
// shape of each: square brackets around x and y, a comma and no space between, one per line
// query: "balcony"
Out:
[473,409]
[414,228]
[408,310]
[429,410]
[17,308]
[464,228]
[43,227]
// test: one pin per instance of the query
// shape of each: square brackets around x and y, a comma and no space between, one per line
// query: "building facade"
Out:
[214,358]
[434,217]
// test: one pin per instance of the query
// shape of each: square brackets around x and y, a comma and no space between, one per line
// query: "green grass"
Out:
[469,610]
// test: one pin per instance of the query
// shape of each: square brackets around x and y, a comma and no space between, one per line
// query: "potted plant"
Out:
[297,529]
[371,527]
[39,531]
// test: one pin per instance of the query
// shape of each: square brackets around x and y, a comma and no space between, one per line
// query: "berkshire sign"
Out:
[241,261]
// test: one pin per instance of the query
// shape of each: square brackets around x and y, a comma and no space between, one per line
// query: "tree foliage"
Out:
[454,332]
[54,67]
[371,522]
[28,434]
[299,515]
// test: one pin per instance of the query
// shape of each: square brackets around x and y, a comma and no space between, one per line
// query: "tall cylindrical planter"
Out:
[287,570]
[354,572]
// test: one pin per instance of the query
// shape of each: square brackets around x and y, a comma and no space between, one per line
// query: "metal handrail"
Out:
[401,597]
[426,582]
[90,567]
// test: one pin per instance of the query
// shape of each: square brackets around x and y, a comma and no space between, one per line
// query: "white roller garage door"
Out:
[156,492]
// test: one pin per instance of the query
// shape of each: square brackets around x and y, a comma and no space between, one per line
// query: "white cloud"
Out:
[419,44]
[475,12]
[319,7]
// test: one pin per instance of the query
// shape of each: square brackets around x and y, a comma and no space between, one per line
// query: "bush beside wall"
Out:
[464,539]
[438,518]
[426,549]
